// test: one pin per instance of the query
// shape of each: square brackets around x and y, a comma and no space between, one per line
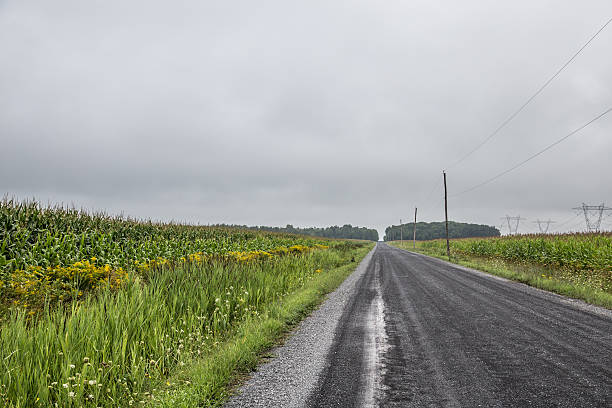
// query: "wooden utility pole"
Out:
[401,236]
[414,230]
[446,216]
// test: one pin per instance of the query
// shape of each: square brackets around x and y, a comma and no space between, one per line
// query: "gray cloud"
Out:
[308,113]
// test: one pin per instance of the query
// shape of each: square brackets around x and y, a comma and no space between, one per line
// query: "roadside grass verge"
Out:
[539,276]
[207,381]
[170,333]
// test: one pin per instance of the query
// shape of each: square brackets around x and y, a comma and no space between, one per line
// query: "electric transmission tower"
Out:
[513,223]
[593,215]
[543,225]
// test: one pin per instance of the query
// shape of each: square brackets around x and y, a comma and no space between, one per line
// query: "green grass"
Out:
[563,279]
[200,322]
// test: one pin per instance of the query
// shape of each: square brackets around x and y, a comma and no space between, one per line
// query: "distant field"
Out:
[103,311]
[575,264]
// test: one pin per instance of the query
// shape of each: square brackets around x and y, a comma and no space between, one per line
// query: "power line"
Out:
[559,225]
[518,111]
[576,227]
[487,181]
[427,204]
[433,187]
[524,105]
[576,223]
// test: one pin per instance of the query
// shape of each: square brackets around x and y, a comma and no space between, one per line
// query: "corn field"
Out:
[32,235]
[581,258]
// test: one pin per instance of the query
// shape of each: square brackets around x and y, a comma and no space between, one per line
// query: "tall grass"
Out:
[117,348]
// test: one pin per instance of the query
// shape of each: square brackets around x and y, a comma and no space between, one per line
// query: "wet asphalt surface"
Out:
[419,332]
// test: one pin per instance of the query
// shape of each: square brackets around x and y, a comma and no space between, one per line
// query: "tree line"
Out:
[435,230]
[346,231]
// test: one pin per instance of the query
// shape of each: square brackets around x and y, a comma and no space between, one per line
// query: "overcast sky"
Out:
[311,113]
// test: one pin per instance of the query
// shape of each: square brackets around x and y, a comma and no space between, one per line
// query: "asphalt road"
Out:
[414,331]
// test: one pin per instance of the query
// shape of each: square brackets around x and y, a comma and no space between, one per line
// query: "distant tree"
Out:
[435,230]
[346,231]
